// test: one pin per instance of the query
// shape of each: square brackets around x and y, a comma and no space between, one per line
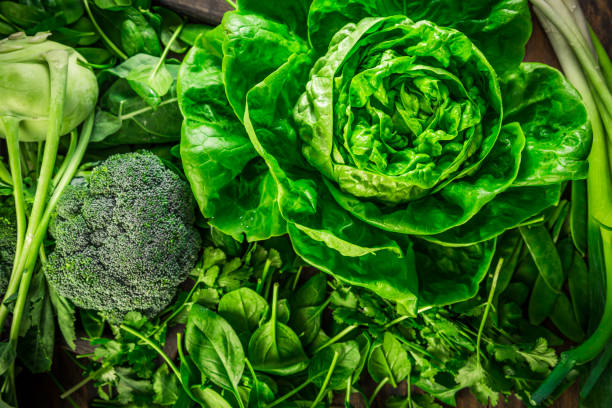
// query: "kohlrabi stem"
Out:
[5,175]
[27,261]
[104,37]
[58,75]
[73,142]
[11,125]
[31,253]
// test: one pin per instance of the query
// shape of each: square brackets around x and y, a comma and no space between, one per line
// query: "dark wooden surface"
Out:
[599,13]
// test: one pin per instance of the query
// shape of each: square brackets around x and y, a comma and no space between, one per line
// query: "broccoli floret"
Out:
[125,239]
[8,240]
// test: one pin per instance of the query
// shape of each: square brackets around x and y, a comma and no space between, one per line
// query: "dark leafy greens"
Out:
[396,149]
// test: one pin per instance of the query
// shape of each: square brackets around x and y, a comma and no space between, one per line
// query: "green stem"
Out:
[12,141]
[5,175]
[180,308]
[58,75]
[28,259]
[483,322]
[147,109]
[336,337]
[61,388]
[231,3]
[297,278]
[155,347]
[289,394]
[104,37]
[596,372]
[264,276]
[602,56]
[166,51]
[348,391]
[581,50]
[395,321]
[321,393]
[92,376]
[590,348]
[377,390]
[71,148]
[181,354]
[599,186]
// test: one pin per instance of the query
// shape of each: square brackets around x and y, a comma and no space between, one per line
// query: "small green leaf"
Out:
[214,347]
[388,359]
[166,386]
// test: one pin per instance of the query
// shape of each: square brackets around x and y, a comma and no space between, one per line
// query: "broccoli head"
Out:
[8,241]
[124,238]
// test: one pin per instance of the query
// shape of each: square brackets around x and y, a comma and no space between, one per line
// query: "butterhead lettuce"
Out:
[399,138]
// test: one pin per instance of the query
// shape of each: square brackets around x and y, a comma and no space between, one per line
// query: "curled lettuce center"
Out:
[406,107]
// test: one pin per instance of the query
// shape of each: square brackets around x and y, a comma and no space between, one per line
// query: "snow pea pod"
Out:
[578,215]
[563,318]
[543,298]
[578,281]
[545,255]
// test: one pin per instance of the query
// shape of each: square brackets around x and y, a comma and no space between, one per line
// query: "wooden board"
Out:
[599,13]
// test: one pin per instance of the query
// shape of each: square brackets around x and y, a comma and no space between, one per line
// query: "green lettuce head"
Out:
[400,147]
[25,90]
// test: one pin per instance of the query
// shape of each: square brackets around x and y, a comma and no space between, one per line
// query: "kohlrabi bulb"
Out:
[25,83]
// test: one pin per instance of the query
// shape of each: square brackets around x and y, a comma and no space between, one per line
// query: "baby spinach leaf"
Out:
[214,347]
[274,348]
[389,360]
[211,398]
[243,309]
[65,311]
[347,363]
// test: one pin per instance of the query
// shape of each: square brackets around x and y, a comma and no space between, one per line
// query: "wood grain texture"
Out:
[599,13]
[206,11]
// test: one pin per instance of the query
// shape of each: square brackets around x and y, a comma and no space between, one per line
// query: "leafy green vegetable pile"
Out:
[263,331]
[393,207]
[395,155]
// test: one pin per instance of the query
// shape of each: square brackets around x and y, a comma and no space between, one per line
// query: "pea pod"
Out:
[563,318]
[543,298]
[545,255]
[578,281]
[578,215]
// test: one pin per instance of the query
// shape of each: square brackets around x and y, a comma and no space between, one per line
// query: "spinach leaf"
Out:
[388,360]
[243,309]
[274,348]
[347,363]
[214,347]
